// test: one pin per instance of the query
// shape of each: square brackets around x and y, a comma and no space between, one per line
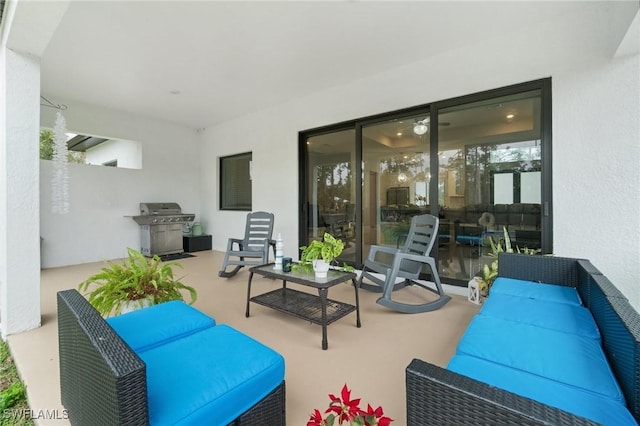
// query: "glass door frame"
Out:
[433,109]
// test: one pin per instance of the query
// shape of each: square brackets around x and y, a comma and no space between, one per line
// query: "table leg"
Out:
[246,314]
[323,303]
[355,286]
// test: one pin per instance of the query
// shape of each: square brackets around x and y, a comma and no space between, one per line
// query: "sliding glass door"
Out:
[490,179]
[481,163]
[396,178]
[330,190]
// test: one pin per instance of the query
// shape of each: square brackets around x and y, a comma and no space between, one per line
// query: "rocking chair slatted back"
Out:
[259,228]
[422,235]
[253,248]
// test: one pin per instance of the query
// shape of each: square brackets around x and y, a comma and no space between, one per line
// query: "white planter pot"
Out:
[134,305]
[320,267]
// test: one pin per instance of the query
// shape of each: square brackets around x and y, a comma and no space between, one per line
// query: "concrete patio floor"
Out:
[371,360]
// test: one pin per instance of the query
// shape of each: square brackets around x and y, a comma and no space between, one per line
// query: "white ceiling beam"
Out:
[30,25]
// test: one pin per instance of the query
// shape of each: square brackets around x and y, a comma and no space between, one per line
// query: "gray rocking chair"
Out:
[406,262]
[253,249]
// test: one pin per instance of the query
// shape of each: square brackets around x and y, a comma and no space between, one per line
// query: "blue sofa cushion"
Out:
[534,290]
[581,402]
[568,318]
[571,359]
[156,325]
[209,377]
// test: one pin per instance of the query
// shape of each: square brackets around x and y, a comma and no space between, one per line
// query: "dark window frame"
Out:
[241,199]
[432,108]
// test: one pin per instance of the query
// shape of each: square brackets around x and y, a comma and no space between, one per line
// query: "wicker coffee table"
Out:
[316,309]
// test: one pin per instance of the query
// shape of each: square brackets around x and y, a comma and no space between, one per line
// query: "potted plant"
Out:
[321,254]
[489,272]
[136,283]
[344,410]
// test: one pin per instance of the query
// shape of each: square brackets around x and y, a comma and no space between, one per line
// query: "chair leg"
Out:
[224,274]
[408,308]
[378,286]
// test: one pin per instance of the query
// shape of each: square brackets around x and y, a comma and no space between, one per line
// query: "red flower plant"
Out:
[348,410]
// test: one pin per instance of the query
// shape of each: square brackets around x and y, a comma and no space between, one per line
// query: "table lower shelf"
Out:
[303,305]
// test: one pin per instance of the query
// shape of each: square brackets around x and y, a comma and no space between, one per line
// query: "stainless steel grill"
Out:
[161,228]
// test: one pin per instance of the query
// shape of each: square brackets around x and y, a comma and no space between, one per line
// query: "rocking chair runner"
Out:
[253,249]
[407,263]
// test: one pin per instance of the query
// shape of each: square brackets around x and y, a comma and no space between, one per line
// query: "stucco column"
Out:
[19,193]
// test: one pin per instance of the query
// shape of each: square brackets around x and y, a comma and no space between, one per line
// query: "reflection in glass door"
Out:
[490,162]
[397,176]
[482,163]
[330,193]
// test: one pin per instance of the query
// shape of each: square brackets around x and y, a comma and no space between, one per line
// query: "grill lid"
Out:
[160,208]
[162,213]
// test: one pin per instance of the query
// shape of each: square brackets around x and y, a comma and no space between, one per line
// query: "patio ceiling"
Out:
[201,63]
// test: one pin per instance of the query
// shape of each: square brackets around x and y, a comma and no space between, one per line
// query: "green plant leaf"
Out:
[136,279]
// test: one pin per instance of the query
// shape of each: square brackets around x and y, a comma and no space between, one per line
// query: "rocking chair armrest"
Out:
[375,249]
[408,256]
[236,241]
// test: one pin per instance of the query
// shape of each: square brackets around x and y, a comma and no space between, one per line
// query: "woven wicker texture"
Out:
[103,382]
[438,396]
[303,305]
[544,269]
[270,411]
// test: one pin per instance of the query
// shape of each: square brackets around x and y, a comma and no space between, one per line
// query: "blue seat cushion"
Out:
[469,240]
[581,402]
[574,360]
[209,377]
[568,318]
[153,326]
[534,290]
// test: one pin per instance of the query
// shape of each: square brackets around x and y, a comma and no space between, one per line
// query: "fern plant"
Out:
[138,280]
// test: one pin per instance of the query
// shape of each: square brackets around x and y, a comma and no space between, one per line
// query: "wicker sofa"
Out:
[168,364]
[443,396]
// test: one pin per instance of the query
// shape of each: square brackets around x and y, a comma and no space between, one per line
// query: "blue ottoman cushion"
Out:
[593,406]
[196,381]
[156,325]
[568,318]
[571,359]
[534,290]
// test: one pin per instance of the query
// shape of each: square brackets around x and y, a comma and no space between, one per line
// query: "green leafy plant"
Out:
[489,272]
[139,280]
[347,411]
[328,249]
[13,395]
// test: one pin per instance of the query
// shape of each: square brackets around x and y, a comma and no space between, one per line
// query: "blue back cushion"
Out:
[210,377]
[150,327]
[534,290]
[578,401]
[565,317]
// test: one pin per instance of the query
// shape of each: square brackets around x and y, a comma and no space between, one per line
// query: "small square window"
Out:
[235,182]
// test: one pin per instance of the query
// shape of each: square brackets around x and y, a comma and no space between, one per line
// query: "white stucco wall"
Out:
[128,153]
[19,269]
[596,134]
[96,227]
